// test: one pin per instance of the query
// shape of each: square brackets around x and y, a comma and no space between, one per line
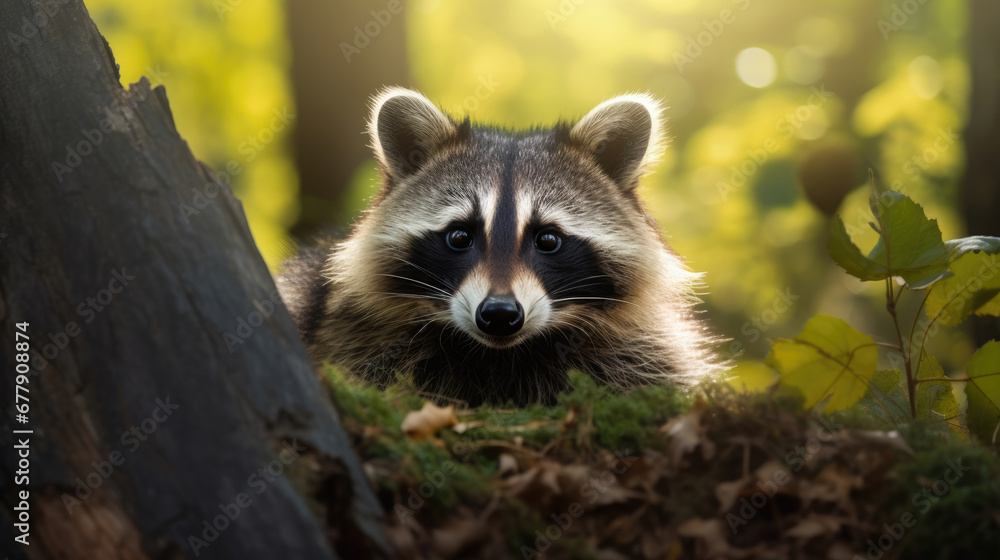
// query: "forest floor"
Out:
[661,474]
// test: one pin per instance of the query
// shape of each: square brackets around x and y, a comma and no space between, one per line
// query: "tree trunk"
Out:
[170,397]
[981,183]
[342,53]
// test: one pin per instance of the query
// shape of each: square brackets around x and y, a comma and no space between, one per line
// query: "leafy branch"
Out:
[959,278]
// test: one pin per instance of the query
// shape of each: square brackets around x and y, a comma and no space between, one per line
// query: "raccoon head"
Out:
[507,236]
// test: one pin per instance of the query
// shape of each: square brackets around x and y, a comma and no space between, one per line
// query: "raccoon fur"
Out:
[491,262]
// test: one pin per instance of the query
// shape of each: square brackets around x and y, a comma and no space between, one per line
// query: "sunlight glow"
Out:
[926,76]
[756,67]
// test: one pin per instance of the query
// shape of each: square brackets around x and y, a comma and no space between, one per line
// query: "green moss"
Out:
[419,462]
[952,490]
[367,404]
[460,468]
[632,422]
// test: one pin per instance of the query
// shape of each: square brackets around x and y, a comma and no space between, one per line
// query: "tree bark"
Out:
[169,391]
[342,53]
[981,183]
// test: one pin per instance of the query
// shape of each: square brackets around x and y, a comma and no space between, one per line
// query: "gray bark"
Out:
[145,294]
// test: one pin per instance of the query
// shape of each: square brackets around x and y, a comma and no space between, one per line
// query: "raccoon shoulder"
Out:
[304,288]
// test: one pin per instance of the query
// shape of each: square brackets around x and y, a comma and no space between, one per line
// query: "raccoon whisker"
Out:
[597,331]
[564,323]
[424,270]
[419,318]
[532,307]
[591,298]
[574,287]
[416,334]
[435,288]
[585,320]
[390,316]
[575,284]
[427,323]
[412,321]
[409,296]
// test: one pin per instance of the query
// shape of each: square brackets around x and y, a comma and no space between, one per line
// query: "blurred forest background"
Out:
[776,112]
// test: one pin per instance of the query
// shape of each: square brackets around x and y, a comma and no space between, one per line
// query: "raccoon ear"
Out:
[623,135]
[405,130]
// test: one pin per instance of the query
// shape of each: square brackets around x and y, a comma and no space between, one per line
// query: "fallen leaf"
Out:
[570,420]
[685,433]
[463,427]
[424,423]
[728,492]
[814,526]
[712,540]
[508,464]
[833,485]
[537,484]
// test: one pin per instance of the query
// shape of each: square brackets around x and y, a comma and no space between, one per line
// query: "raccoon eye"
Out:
[548,241]
[458,239]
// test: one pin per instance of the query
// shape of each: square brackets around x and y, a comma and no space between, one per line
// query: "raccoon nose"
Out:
[500,315]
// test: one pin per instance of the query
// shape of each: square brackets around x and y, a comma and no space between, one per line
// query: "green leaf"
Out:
[752,377]
[910,243]
[973,288]
[936,396]
[958,247]
[885,398]
[846,254]
[983,391]
[827,358]
[886,380]
[927,281]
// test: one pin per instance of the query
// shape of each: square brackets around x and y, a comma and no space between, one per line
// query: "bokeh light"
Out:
[926,76]
[756,67]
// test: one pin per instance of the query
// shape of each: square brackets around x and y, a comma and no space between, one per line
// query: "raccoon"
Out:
[491,262]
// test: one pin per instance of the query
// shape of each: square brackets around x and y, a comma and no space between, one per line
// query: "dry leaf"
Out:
[571,419]
[728,492]
[711,537]
[814,526]
[424,423]
[832,484]
[529,427]
[463,427]
[685,433]
[508,464]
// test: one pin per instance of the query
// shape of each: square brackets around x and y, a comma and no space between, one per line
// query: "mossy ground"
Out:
[430,488]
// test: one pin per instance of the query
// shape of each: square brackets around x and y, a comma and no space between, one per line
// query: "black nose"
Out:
[500,315]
